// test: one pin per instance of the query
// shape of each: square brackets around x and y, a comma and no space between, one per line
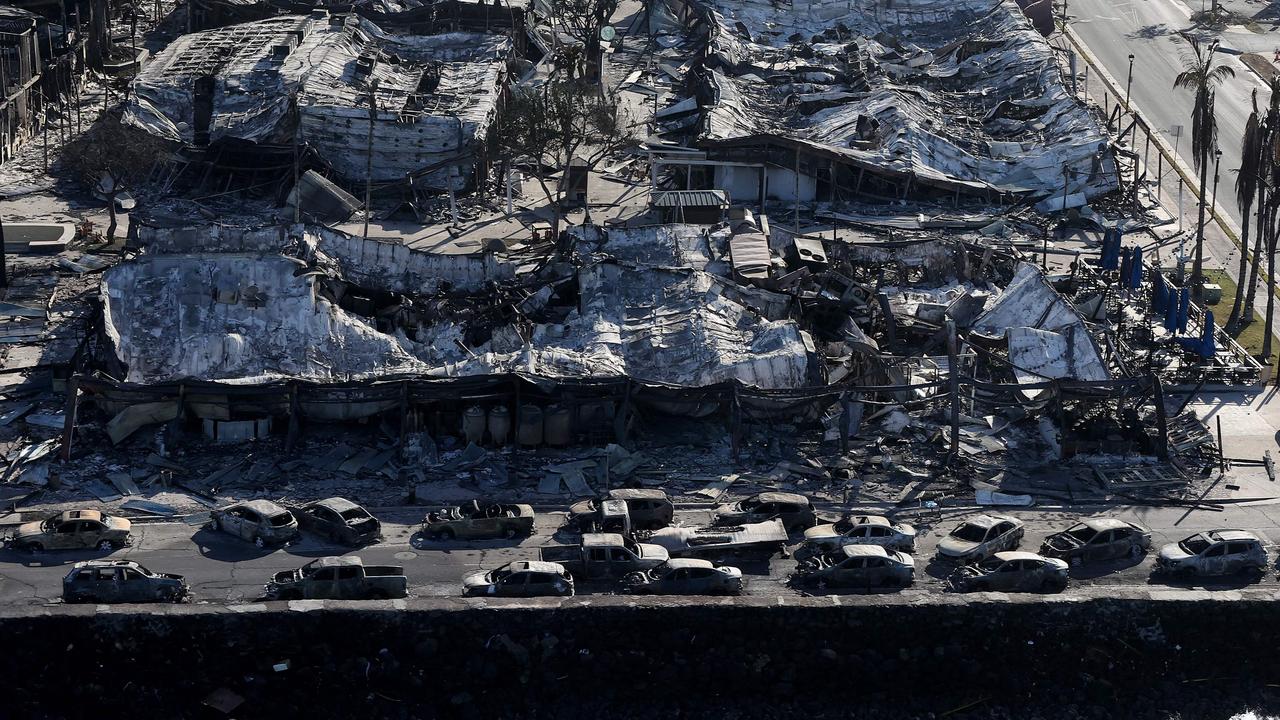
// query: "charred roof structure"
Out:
[925,100]
[314,77]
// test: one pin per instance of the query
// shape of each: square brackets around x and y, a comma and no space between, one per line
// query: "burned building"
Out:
[264,84]
[822,103]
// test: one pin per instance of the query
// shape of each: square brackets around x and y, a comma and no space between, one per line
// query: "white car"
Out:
[980,537]
[859,530]
[1213,552]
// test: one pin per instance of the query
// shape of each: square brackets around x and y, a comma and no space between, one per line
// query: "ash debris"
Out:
[827,254]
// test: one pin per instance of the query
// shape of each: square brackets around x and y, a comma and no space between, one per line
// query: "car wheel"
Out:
[510,533]
[34,547]
[890,582]
[981,587]
[1135,552]
[1184,573]
[106,546]
[1052,585]
[446,534]
[291,595]
[1075,561]
[257,540]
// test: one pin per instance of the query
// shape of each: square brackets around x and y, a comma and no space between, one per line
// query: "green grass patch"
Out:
[1250,336]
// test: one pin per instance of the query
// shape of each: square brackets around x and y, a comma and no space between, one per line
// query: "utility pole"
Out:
[297,190]
[4,260]
[368,176]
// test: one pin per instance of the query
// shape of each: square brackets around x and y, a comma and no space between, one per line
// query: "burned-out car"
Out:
[980,537]
[1213,552]
[339,520]
[1094,539]
[640,509]
[686,576]
[1011,571]
[795,511]
[857,566]
[857,530]
[522,578]
[261,522]
[339,578]
[74,530]
[478,520]
[121,581]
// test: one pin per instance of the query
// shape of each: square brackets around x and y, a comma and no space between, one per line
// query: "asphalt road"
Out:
[223,569]
[1149,30]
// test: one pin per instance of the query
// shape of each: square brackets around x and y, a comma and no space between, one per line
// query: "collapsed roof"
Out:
[435,100]
[244,319]
[974,102]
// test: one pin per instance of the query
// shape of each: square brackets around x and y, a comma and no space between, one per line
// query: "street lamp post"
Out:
[1128,85]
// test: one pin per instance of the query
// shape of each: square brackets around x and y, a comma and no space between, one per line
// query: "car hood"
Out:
[654,552]
[818,532]
[955,546]
[119,523]
[905,529]
[732,572]
[28,529]
[728,509]
[479,578]
[1057,564]
[582,507]
[1173,553]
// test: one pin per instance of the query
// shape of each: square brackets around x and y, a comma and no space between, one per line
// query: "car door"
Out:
[876,569]
[597,561]
[107,584]
[880,535]
[1237,555]
[232,522]
[1001,537]
[90,533]
[65,536]
[621,562]
[703,580]
[349,583]
[763,511]
[514,585]
[544,585]
[322,585]
[850,572]
[1213,559]
[1007,576]
[1099,546]
[134,586]
[675,582]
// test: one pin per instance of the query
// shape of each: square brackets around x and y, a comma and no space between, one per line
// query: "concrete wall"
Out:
[759,657]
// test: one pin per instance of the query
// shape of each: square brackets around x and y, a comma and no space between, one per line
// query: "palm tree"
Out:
[1246,189]
[1201,76]
[1267,223]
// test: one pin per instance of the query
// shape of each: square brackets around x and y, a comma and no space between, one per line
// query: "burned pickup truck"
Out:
[478,520]
[339,578]
[750,540]
[605,556]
